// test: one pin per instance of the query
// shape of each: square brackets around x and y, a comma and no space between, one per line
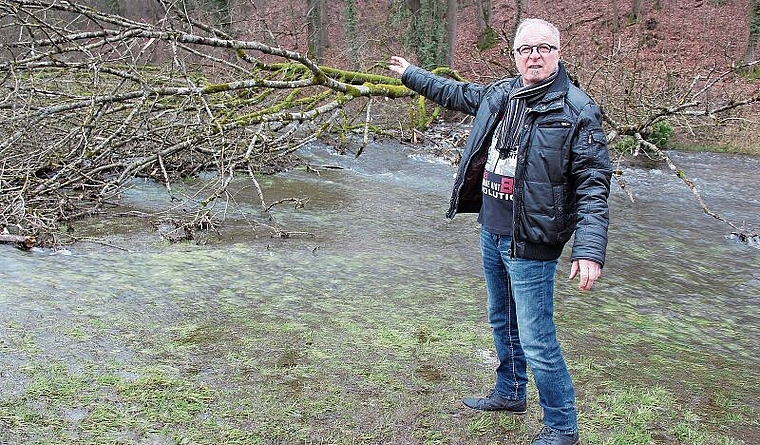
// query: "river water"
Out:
[678,298]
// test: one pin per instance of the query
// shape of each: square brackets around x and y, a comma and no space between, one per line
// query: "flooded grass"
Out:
[344,359]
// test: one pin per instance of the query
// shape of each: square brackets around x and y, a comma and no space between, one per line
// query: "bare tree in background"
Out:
[754,31]
[317,20]
[520,7]
[486,33]
[643,110]
[615,16]
[635,11]
[451,30]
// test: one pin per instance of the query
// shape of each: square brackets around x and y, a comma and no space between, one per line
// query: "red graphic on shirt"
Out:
[496,186]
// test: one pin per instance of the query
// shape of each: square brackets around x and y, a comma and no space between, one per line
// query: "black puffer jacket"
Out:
[563,173]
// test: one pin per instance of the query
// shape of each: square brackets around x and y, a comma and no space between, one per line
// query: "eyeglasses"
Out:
[526,50]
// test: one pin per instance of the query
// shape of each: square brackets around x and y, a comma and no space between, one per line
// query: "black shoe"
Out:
[548,436]
[495,402]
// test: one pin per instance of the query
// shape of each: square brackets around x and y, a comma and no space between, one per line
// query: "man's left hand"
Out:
[590,271]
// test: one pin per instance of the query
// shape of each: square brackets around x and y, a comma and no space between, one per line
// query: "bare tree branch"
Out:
[636,102]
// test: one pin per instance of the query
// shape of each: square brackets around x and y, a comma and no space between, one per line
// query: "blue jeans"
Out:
[521,314]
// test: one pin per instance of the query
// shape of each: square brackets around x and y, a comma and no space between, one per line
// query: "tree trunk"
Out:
[317,23]
[351,17]
[750,54]
[25,242]
[635,11]
[414,8]
[615,17]
[486,34]
[428,31]
[451,30]
[519,7]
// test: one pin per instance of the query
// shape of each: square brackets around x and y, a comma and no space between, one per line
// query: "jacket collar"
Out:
[559,87]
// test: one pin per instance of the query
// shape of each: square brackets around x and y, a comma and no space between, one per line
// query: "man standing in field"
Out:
[536,170]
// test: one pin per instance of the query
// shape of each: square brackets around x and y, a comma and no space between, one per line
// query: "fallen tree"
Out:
[25,242]
[84,110]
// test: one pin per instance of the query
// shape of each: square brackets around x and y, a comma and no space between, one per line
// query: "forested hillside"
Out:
[355,33]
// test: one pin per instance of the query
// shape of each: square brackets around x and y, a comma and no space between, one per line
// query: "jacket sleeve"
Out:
[591,172]
[459,96]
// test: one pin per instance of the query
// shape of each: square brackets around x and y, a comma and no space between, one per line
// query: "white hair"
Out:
[541,23]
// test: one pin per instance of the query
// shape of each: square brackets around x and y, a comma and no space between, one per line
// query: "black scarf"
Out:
[511,124]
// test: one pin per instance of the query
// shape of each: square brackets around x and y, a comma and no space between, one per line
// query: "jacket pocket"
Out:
[545,216]
[563,212]
[552,133]
[555,123]
[595,148]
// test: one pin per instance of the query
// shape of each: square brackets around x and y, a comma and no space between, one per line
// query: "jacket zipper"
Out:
[515,212]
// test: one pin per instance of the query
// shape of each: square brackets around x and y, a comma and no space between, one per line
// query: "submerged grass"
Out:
[344,360]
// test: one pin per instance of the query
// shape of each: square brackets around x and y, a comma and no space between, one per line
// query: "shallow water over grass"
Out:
[372,329]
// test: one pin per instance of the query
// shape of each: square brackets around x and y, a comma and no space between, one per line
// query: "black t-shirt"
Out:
[498,181]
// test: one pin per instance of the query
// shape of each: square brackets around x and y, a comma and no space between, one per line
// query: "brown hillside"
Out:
[680,34]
